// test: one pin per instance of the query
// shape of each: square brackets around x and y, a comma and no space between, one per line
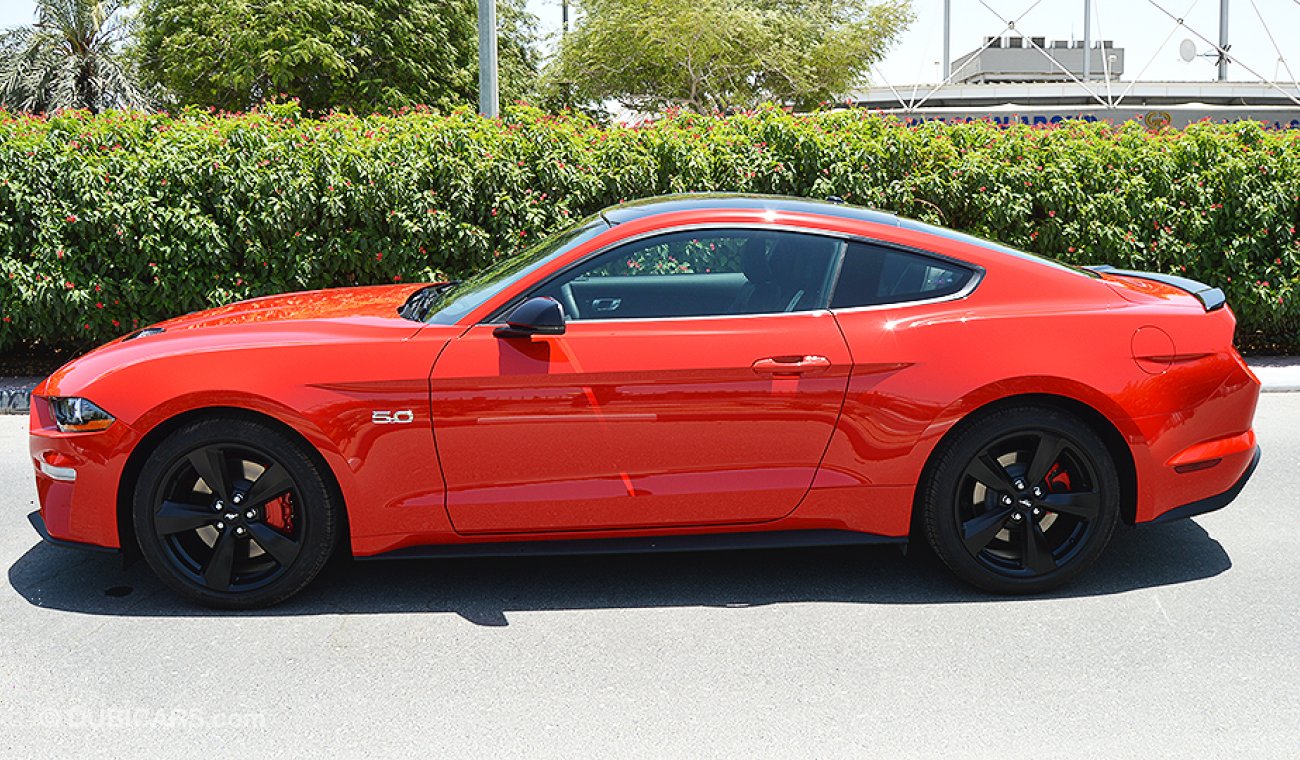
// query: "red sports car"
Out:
[680,373]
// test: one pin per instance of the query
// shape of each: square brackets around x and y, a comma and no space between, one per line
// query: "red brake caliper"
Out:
[1057,479]
[279,514]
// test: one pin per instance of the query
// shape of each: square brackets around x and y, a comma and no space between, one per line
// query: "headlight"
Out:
[79,415]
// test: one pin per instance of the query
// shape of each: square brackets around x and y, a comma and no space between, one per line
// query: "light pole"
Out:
[947,38]
[488,97]
[1223,40]
[1087,40]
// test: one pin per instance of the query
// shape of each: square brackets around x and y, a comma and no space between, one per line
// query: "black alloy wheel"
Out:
[233,513]
[1021,500]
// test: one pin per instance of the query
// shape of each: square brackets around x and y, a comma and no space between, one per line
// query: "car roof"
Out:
[663,204]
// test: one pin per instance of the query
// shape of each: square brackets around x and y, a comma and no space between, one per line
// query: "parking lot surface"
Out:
[1184,641]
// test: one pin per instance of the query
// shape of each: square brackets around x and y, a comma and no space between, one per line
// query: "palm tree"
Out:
[70,58]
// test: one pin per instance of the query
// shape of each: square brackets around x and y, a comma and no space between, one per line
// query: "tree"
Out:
[359,55]
[708,55]
[71,57]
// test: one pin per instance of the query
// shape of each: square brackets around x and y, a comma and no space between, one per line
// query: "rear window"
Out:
[873,275]
[961,237]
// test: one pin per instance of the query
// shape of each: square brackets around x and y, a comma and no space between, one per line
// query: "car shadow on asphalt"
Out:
[486,591]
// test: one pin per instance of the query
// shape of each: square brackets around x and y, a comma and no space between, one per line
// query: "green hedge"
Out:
[121,219]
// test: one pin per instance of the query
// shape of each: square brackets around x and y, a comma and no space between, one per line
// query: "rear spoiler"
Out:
[1210,298]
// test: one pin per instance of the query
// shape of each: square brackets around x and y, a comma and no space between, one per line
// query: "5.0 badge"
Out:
[398,417]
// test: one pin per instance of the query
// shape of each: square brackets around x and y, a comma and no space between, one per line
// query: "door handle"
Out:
[792,365]
[606,304]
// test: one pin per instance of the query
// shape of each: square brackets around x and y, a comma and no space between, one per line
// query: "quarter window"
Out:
[874,274]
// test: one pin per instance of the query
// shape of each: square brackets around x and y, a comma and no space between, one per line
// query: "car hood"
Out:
[380,301]
[273,323]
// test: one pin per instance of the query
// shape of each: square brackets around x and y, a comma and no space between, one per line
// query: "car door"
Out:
[711,403]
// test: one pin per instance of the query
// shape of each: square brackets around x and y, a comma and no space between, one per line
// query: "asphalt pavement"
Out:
[1181,643]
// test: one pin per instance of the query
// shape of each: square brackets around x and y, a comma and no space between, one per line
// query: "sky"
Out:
[1136,25]
[1150,38]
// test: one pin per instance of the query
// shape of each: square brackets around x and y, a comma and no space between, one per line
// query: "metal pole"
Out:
[947,39]
[1087,40]
[1223,40]
[564,16]
[487,59]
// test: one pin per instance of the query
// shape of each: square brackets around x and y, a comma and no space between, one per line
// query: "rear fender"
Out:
[1125,439]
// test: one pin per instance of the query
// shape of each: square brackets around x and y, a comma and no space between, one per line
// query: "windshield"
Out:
[466,296]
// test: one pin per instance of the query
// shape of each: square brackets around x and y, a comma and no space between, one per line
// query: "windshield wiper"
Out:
[421,301]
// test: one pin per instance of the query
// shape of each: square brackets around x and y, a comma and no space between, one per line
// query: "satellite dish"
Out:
[1187,51]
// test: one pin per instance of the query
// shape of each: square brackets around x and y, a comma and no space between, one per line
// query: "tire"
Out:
[1021,500]
[234,514]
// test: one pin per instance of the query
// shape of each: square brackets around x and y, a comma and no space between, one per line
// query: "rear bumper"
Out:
[1218,501]
[1197,438]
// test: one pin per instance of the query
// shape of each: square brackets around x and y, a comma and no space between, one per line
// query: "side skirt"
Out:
[778,539]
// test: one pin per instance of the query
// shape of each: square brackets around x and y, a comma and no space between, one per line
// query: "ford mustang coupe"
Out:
[680,373]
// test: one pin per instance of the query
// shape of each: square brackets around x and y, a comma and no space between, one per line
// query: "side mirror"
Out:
[536,316]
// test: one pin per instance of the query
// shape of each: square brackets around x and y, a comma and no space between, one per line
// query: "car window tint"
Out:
[701,273]
[872,275]
[462,298]
[675,254]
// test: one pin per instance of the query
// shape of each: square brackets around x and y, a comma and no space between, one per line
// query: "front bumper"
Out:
[77,478]
[1218,501]
[38,523]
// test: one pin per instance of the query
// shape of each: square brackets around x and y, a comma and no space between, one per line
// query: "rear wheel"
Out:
[1021,500]
[233,514]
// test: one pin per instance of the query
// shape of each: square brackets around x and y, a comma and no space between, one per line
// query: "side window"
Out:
[677,254]
[701,273]
[873,274]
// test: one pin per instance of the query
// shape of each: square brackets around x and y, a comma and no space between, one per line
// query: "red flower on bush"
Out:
[70,218]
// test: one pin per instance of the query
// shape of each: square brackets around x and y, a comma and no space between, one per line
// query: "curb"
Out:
[1277,374]
[15,393]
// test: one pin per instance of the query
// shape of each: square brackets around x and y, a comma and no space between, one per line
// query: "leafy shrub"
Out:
[116,220]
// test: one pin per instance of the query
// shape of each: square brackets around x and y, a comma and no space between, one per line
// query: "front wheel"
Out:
[1021,500]
[234,513]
